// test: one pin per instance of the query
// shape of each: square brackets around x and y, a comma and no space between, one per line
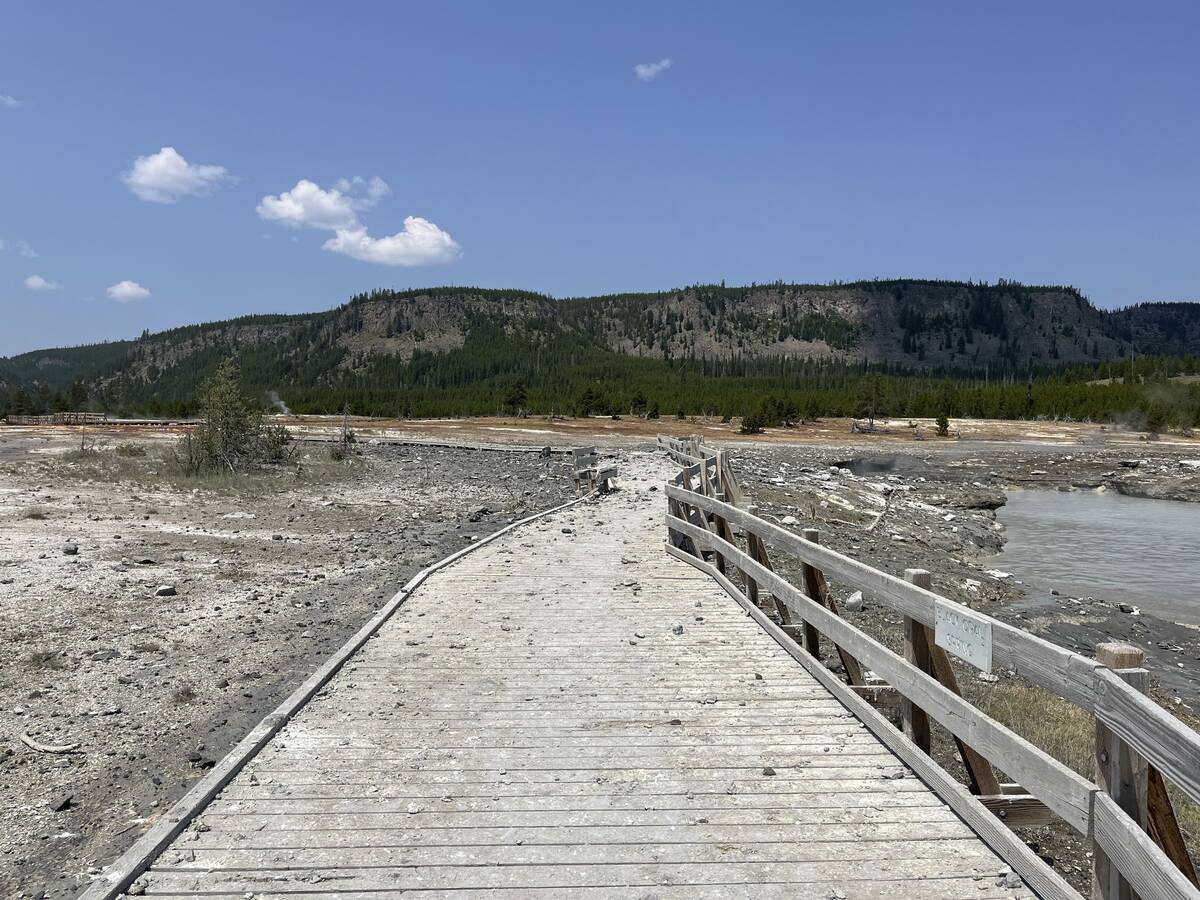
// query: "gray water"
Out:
[1104,545]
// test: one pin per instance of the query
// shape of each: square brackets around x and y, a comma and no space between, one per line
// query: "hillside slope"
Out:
[442,338]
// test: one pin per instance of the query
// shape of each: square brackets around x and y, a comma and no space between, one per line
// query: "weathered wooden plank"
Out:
[126,869]
[1150,872]
[435,817]
[1164,827]
[832,835]
[1121,772]
[1068,794]
[1018,810]
[1045,882]
[568,876]
[576,854]
[796,790]
[955,888]
[583,718]
[1164,740]
[1058,670]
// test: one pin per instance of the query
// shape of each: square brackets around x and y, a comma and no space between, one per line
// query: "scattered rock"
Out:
[70,549]
[61,803]
[854,603]
[165,590]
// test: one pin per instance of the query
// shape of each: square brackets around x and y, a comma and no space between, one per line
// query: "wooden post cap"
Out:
[919,577]
[1117,655]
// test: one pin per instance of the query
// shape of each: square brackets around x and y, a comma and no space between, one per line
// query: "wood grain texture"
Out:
[570,712]
[1055,668]
[1067,793]
[1147,869]
[1044,881]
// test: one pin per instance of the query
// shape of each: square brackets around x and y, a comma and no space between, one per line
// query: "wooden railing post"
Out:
[916,651]
[1121,772]
[814,588]
[817,588]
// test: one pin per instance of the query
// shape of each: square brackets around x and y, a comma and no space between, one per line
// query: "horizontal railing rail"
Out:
[1125,813]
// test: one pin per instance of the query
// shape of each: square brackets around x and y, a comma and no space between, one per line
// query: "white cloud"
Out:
[373,190]
[38,283]
[127,291]
[421,243]
[166,177]
[21,247]
[308,204]
[7,102]
[650,71]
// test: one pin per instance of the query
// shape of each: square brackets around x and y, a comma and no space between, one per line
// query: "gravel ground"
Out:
[148,624]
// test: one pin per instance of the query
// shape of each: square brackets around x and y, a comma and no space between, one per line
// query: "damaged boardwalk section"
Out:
[570,712]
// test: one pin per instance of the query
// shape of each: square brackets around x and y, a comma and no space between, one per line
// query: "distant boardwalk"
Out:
[571,712]
[60,418]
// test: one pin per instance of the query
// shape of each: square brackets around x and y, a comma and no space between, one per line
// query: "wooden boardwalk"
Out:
[570,712]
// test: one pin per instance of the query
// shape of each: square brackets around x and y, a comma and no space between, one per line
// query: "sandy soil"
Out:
[630,432]
[269,576]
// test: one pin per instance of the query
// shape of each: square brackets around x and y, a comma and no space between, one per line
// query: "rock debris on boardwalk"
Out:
[571,712]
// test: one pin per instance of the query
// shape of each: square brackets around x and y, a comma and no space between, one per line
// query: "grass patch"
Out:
[1068,733]
[184,694]
[130,450]
[1188,814]
[47,659]
[1050,723]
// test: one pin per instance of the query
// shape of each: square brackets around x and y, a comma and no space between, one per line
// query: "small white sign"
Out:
[962,632]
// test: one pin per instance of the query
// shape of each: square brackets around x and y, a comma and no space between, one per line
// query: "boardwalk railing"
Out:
[590,474]
[60,418]
[1125,812]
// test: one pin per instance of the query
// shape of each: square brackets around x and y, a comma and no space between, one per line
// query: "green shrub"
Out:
[232,436]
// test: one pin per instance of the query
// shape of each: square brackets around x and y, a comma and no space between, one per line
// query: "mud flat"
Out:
[148,622]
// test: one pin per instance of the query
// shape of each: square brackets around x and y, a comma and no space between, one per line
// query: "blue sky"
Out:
[516,145]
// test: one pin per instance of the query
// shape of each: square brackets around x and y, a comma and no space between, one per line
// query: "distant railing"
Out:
[1126,814]
[590,474]
[61,418]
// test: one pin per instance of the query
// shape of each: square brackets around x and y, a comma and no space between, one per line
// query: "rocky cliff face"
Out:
[915,324]
[912,324]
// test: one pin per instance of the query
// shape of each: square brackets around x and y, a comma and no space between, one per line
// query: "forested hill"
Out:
[387,350]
